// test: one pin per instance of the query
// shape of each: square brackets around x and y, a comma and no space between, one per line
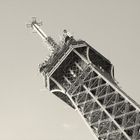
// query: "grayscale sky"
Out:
[27,110]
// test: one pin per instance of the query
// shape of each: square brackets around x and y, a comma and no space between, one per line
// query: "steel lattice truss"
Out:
[84,79]
[107,112]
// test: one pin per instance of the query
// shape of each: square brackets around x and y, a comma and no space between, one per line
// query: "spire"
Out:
[35,25]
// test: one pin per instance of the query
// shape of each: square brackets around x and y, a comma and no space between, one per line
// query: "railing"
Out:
[47,65]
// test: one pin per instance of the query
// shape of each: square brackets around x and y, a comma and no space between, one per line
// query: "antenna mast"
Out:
[51,44]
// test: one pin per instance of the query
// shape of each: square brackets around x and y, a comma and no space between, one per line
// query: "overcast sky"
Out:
[27,110]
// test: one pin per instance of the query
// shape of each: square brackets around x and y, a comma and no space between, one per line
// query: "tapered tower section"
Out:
[84,79]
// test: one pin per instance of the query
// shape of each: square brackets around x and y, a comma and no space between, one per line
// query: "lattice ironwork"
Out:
[108,113]
[90,88]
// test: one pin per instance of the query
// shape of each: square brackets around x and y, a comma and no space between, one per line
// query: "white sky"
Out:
[27,111]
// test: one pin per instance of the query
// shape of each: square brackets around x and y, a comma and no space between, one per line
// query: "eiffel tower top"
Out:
[84,79]
[53,47]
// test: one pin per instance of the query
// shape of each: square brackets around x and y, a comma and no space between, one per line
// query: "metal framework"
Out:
[84,79]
